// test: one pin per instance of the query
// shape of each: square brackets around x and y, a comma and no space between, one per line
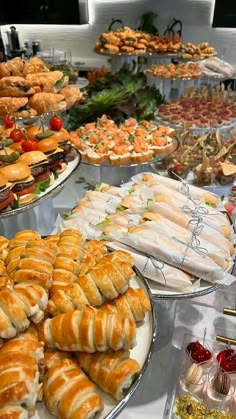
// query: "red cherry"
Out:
[17,135]
[56,123]
[8,121]
[227,359]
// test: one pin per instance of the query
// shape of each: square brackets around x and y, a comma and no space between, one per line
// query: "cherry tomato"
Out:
[17,135]
[56,123]
[29,145]
[8,121]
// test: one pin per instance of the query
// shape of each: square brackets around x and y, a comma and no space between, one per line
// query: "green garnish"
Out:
[209,203]
[121,208]
[149,201]
[66,215]
[131,190]
[222,198]
[103,223]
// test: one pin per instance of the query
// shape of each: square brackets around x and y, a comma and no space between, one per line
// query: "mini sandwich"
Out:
[47,102]
[51,82]
[16,106]
[6,195]
[39,166]
[54,154]
[15,87]
[63,140]
[21,181]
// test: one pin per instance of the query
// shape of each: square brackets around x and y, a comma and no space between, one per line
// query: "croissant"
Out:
[19,372]
[71,95]
[3,247]
[66,267]
[47,102]
[89,330]
[18,305]
[133,304]
[94,250]
[13,412]
[68,393]
[32,262]
[12,67]
[34,65]
[113,372]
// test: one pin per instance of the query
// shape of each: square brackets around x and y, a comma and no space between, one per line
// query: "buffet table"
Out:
[153,397]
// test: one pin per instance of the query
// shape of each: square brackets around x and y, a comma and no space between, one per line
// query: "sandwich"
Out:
[34,65]
[51,82]
[54,154]
[63,140]
[16,106]
[72,95]
[6,195]
[47,102]
[21,182]
[15,87]
[39,166]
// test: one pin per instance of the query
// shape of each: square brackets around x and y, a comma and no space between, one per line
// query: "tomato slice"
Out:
[42,176]
[56,164]
[7,201]
[26,191]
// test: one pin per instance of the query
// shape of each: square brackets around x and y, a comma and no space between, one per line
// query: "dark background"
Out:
[40,12]
[225,14]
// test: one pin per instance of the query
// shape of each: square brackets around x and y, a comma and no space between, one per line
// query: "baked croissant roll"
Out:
[72,95]
[3,247]
[19,372]
[133,304]
[12,67]
[15,87]
[89,330]
[18,305]
[13,412]
[68,393]
[47,102]
[34,65]
[113,372]
[50,82]
[94,250]
[13,105]
[33,263]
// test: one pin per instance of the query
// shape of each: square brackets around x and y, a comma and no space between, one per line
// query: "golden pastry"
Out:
[34,65]
[15,86]
[51,82]
[47,102]
[71,95]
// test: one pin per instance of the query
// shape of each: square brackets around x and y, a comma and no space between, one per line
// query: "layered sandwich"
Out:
[55,154]
[6,195]
[63,140]
[39,166]
[15,87]
[51,82]
[21,182]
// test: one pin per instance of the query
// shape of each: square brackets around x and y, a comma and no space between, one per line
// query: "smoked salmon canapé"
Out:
[105,142]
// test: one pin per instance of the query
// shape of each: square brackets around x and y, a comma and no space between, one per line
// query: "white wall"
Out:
[196,16]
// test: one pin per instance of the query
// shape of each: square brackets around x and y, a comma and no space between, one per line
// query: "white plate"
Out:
[146,333]
[50,192]
[161,292]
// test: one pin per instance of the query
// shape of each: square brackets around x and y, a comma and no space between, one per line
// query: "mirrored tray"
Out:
[199,130]
[146,334]
[50,192]
[135,54]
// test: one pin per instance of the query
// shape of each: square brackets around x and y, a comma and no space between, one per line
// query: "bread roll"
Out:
[89,330]
[113,372]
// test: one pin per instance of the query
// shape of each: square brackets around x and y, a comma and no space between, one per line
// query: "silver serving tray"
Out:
[146,335]
[50,192]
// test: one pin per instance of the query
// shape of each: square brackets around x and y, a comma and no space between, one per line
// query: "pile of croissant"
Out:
[29,88]
[68,318]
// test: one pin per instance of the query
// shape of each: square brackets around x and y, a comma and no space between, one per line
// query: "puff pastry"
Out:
[12,67]
[89,330]
[3,247]
[47,82]
[34,65]
[19,372]
[13,412]
[32,263]
[12,105]
[68,393]
[47,102]
[18,305]
[113,372]
[94,250]
[15,86]
[72,95]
